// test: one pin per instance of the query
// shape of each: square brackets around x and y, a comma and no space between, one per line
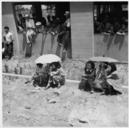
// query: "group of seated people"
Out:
[96,79]
[49,75]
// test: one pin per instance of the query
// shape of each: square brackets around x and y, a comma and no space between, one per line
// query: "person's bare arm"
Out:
[11,36]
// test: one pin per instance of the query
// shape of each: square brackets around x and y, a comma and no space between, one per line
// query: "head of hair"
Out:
[57,64]
[91,63]
[6,27]
[103,65]
[39,65]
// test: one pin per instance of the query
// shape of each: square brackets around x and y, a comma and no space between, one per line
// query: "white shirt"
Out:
[29,35]
[68,22]
[8,37]
[30,23]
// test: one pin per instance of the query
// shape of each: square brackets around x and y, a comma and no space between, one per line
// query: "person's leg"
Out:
[83,85]
[91,83]
[7,51]
[49,83]
[10,51]
[64,51]
[11,47]
[52,42]
[31,49]
[69,46]
[58,49]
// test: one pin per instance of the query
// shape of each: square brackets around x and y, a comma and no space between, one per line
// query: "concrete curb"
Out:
[27,76]
[67,80]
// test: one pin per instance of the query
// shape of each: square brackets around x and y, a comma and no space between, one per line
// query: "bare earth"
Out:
[23,105]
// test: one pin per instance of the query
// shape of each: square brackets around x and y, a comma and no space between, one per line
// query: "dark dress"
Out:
[41,78]
[28,50]
[9,50]
[60,39]
[29,44]
[87,81]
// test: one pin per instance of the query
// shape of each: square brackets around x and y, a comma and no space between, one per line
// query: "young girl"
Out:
[87,82]
[29,40]
[57,75]
[102,83]
[41,76]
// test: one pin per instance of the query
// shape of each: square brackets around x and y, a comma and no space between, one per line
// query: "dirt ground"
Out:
[24,105]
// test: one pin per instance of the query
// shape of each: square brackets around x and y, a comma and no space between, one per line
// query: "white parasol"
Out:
[103,59]
[48,58]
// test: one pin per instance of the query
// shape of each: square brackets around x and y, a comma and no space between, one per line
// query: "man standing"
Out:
[67,38]
[30,36]
[29,22]
[8,42]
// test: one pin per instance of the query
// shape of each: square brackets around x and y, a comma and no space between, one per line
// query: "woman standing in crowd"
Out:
[8,42]
[30,33]
[60,39]
[67,51]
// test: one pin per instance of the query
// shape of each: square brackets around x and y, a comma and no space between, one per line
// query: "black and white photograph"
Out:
[64,63]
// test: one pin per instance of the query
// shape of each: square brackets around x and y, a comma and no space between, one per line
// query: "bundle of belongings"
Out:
[96,79]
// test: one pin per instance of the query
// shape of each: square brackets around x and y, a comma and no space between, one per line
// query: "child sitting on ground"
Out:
[41,76]
[102,83]
[88,78]
[57,76]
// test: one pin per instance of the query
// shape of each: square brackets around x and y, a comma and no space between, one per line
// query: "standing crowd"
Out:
[58,29]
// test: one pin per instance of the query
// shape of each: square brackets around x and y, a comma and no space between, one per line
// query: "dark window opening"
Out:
[110,17]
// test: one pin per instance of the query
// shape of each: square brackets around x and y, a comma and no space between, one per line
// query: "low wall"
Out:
[37,45]
[73,68]
[112,46]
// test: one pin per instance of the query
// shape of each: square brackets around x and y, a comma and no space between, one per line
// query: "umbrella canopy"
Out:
[103,59]
[48,58]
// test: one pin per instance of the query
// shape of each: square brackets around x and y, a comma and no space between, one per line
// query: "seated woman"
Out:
[41,76]
[109,68]
[88,78]
[57,75]
[102,83]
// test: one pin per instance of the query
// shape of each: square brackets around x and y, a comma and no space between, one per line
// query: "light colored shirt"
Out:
[8,37]
[29,35]
[30,23]
[68,24]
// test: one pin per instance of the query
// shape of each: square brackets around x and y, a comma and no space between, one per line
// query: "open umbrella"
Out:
[48,58]
[103,59]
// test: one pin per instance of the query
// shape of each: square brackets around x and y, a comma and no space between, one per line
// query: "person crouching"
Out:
[87,82]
